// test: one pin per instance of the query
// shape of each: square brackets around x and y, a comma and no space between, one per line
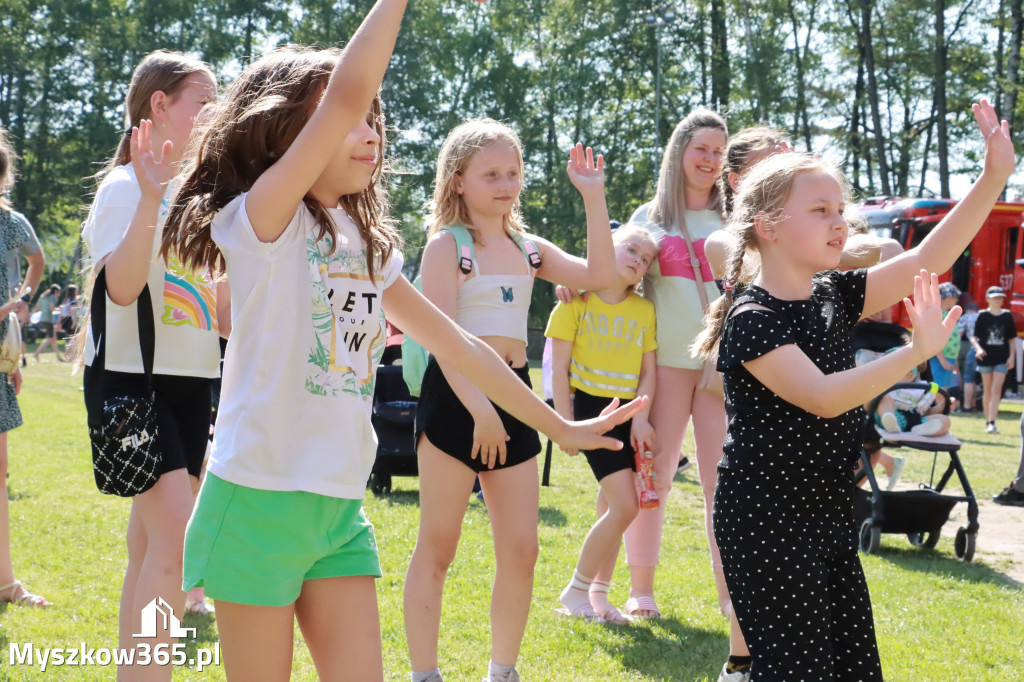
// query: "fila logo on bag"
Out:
[135,440]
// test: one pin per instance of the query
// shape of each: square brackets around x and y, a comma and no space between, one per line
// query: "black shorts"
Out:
[183,415]
[449,426]
[604,462]
[46,329]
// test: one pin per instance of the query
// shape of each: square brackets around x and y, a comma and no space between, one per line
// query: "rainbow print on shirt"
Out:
[189,299]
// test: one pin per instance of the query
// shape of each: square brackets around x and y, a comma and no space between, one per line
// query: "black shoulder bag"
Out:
[122,429]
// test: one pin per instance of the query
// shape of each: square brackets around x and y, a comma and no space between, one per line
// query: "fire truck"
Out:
[995,256]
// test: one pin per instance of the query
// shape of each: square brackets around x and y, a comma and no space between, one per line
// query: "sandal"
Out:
[198,606]
[599,600]
[634,605]
[584,612]
[19,595]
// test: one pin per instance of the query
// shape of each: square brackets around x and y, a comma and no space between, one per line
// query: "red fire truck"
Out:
[994,257]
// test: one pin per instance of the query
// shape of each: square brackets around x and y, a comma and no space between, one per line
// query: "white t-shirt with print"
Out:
[307,335]
[184,303]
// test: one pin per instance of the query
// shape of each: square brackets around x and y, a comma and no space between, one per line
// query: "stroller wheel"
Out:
[870,537]
[927,539]
[964,544]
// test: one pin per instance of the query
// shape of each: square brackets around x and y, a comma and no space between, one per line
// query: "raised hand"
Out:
[585,173]
[153,174]
[999,156]
[931,332]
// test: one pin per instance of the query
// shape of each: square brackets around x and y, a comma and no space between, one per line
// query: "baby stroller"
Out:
[393,418]
[921,513]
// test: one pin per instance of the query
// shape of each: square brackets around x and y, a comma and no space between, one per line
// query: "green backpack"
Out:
[415,356]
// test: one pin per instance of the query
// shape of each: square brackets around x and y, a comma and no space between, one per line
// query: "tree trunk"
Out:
[939,85]
[1000,45]
[800,115]
[1013,62]
[927,152]
[876,116]
[719,56]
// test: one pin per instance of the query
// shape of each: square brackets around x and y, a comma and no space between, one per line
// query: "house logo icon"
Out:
[156,612]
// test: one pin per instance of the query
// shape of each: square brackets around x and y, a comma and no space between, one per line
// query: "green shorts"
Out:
[257,547]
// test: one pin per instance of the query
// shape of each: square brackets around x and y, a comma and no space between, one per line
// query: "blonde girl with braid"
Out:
[782,504]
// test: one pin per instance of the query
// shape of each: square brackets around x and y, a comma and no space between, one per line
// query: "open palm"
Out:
[585,172]
[999,157]
[153,174]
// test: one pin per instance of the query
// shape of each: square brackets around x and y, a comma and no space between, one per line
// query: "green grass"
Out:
[937,618]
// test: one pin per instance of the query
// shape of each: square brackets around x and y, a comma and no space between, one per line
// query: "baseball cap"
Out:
[995,291]
[948,290]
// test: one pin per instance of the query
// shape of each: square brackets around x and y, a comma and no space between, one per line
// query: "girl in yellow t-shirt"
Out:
[603,349]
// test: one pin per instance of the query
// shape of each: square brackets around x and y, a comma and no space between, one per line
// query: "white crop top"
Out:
[494,305]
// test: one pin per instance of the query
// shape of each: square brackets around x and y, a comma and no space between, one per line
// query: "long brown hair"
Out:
[263,113]
[465,140]
[159,71]
[668,209]
[764,191]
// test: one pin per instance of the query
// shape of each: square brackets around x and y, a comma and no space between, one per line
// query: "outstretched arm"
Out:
[598,270]
[346,100]
[474,359]
[890,281]
[789,373]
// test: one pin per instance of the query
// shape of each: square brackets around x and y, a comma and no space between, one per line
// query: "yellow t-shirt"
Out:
[608,342]
[671,285]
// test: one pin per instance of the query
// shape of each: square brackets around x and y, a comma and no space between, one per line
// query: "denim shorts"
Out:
[257,547]
[988,369]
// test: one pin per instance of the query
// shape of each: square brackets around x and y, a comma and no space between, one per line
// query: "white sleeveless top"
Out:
[494,305]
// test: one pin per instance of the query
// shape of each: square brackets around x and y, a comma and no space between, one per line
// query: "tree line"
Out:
[883,85]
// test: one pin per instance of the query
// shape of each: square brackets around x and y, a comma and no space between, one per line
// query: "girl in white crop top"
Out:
[478,184]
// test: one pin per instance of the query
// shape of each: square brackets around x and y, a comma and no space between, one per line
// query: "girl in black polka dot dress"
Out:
[783,512]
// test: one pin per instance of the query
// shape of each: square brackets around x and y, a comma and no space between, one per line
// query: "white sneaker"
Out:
[734,677]
[991,428]
[897,469]
[890,423]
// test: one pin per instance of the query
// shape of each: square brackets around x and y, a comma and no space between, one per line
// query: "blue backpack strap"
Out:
[528,248]
[463,249]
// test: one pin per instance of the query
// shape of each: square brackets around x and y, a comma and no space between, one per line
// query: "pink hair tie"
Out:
[727,285]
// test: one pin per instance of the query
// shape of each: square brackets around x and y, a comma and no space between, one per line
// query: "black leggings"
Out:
[789,549]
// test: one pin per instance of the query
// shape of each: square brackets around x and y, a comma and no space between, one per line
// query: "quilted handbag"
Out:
[122,428]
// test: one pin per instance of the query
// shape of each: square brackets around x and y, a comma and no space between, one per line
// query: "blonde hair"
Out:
[668,209]
[7,171]
[763,192]
[643,233]
[465,140]
[163,71]
[264,111]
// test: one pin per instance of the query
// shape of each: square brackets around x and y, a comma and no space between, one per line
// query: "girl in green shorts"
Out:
[284,194]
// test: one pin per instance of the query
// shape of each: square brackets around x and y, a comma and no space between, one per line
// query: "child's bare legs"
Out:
[993,393]
[445,484]
[195,599]
[339,621]
[257,641]
[512,496]
[597,558]
[670,412]
[156,539]
[6,567]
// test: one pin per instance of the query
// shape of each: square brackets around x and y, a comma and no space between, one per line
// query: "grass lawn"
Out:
[937,618]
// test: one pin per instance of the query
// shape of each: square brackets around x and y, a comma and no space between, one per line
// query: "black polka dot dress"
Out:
[783,511]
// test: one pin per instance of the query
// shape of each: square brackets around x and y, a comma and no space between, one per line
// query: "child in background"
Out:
[995,344]
[285,192]
[943,366]
[916,410]
[602,349]
[486,288]
[783,346]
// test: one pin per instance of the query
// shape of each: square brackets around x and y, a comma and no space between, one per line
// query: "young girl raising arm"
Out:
[782,508]
[285,192]
[460,434]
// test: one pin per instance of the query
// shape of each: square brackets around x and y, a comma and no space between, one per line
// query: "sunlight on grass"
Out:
[937,618]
